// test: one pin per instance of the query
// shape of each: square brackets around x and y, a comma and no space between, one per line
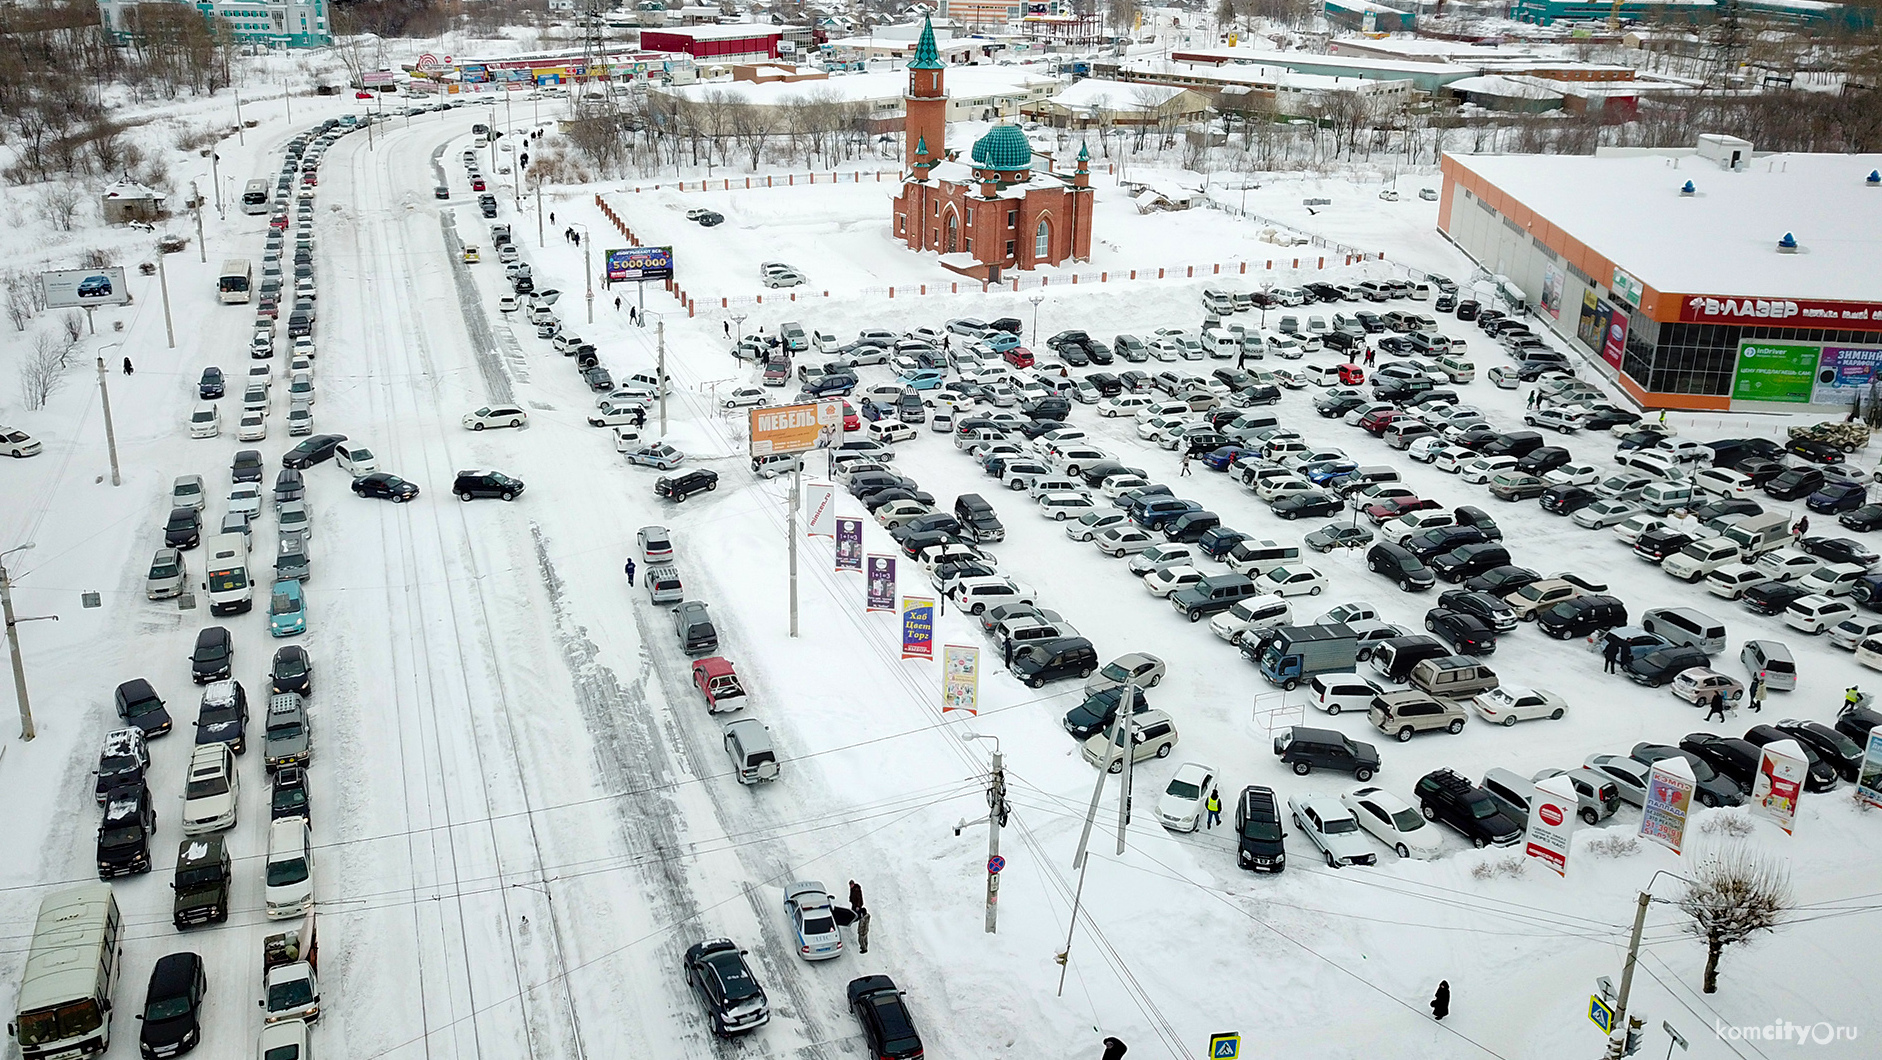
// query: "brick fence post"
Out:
[1297,263]
[1074,279]
[1104,277]
[891,292]
[1133,274]
[923,289]
[1159,274]
[1216,269]
[1192,271]
[1323,262]
[1244,269]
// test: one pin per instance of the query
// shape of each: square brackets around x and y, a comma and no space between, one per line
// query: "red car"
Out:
[477,184]
[279,220]
[310,179]
[1019,357]
[1377,422]
[851,421]
[719,683]
[362,95]
[1352,375]
[1396,506]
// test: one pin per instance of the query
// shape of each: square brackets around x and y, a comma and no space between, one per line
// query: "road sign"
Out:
[1225,1046]
[1678,1038]
[995,864]
[1601,1013]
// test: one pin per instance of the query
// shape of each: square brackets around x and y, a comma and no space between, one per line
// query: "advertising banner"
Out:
[1552,823]
[917,627]
[1844,371]
[849,544]
[1800,313]
[640,263]
[1552,291]
[795,428]
[1588,329]
[820,505]
[1775,371]
[1869,777]
[1626,288]
[1669,797]
[1615,344]
[1780,779]
[65,288]
[960,678]
[881,583]
[377,78]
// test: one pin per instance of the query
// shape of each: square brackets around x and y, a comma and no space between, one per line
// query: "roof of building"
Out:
[926,57]
[1250,74]
[1296,59]
[1722,240]
[1103,94]
[1004,147]
[964,82]
[130,189]
[1505,87]
[738,31]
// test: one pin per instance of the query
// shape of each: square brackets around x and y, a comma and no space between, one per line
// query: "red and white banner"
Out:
[1669,799]
[1780,780]
[1552,823]
[1784,312]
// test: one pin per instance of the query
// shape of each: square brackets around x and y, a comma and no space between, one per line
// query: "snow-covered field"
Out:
[522,810]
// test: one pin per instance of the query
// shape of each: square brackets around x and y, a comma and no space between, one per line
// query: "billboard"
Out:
[1669,797]
[640,263]
[1614,344]
[1775,371]
[1869,776]
[822,516]
[1552,291]
[1842,371]
[1552,823]
[795,428]
[1588,329]
[1780,778]
[849,544]
[917,627]
[960,678]
[65,288]
[377,78]
[881,583]
[1626,288]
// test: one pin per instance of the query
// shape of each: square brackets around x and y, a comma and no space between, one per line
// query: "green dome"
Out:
[1004,148]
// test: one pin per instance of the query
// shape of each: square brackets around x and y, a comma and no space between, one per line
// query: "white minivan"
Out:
[1334,693]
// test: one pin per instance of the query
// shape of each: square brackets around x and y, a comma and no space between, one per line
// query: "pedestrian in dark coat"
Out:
[856,897]
[1441,1001]
[862,929]
[127,366]
[1626,655]
[630,572]
[1609,653]
[1716,708]
[728,328]
[1757,693]
[617,303]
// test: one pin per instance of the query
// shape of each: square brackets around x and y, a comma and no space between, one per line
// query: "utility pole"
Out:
[790,524]
[1120,734]
[27,731]
[215,179]
[539,243]
[997,810]
[196,207]
[241,135]
[588,262]
[1616,1045]
[111,434]
[163,281]
[660,339]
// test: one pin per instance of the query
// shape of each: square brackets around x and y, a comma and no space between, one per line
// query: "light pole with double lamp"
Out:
[588,272]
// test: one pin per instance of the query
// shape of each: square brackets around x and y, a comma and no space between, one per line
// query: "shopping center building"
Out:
[1714,277]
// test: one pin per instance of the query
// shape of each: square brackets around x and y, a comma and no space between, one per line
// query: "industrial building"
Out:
[716,45]
[1713,277]
[275,23]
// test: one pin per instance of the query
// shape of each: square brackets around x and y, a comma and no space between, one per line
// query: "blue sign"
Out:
[640,263]
[1601,1014]
[1225,1046]
[995,864]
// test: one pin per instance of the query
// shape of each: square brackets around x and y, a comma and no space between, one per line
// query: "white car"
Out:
[1425,450]
[300,419]
[1064,504]
[1630,529]
[1296,581]
[1116,486]
[1393,822]
[1123,405]
[210,793]
[1485,468]
[508,304]
[1093,523]
[245,497]
[290,869]
[14,442]
[1165,580]
[355,460]
[1453,458]
[1156,557]
[1180,807]
[1123,541]
[1510,704]
[1333,828]
[744,397]
[1817,612]
[1853,631]
[1557,419]
[253,427]
[495,416]
[1573,475]
[205,422]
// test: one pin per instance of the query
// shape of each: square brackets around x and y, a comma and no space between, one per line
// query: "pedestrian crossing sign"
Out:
[1601,1013]
[1225,1046]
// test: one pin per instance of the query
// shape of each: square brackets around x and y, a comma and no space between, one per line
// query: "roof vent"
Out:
[1875,179]
[1787,245]
[1688,190]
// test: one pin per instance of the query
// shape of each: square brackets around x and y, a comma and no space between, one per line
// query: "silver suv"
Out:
[287,741]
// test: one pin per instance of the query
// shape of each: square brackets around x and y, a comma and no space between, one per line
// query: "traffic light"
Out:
[1635,1027]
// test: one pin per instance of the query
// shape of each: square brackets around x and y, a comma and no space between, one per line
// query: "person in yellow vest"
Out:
[1852,699]
[1214,806]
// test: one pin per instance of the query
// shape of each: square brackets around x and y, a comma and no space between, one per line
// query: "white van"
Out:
[1701,558]
[225,574]
[888,431]
[1663,496]
[1334,693]
[1252,557]
[1221,343]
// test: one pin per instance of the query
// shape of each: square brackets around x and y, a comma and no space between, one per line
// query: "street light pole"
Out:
[996,816]
[104,396]
[241,136]
[1035,300]
[215,180]
[588,271]
[163,281]
[196,207]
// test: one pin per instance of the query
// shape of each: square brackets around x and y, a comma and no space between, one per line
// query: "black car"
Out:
[1856,722]
[1541,461]
[1338,405]
[1821,775]
[1863,519]
[1466,560]
[1466,633]
[717,972]
[1567,500]
[1311,503]
[1338,535]
[387,486]
[1718,509]
[224,719]
[1837,497]
[1794,483]
[184,529]
[1661,665]
[1467,309]
[124,834]
[315,450]
[1107,384]
[289,795]
[1842,753]
[1427,543]
[210,386]
[292,670]
[1657,544]
[913,543]
[1773,598]
[1446,797]
[1581,616]
[888,1028]
[1405,653]
[1735,759]
[138,704]
[1099,709]
[1814,451]
[173,1006]
[1729,452]
[1761,470]
[1052,660]
[1840,550]
[1491,611]
[122,764]
[246,467]
[1502,581]
[1218,540]
[1304,750]
[472,484]
[1603,419]
[1476,437]
[934,522]
[214,655]
[889,496]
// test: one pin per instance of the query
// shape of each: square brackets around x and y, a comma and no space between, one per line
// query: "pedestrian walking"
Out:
[1757,693]
[1663,416]
[617,303]
[633,315]
[856,898]
[552,217]
[1852,698]
[1441,1001]
[630,572]
[127,366]
[1626,655]
[1371,356]
[1803,524]
[1183,468]
[728,328]
[1009,653]
[1214,806]
[1609,653]
[1241,359]
[862,929]
[1716,707]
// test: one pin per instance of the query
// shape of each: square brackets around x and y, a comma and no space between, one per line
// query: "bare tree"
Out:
[1735,893]
[43,370]
[74,324]
[19,299]
[60,204]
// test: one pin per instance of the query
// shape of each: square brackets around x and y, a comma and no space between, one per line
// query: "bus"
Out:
[255,197]
[71,973]
[237,279]
[225,575]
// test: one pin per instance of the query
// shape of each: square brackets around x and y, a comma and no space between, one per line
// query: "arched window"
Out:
[953,232]
[1042,240]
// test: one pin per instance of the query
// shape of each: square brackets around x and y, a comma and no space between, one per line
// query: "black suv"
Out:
[1258,833]
[471,484]
[138,704]
[1398,564]
[292,670]
[1446,797]
[213,656]
[1581,616]
[734,1001]
[1305,748]
[210,386]
[1657,667]
[679,487]
[693,625]
[1736,760]
[1095,714]
[289,795]
[223,716]
[1467,560]
[173,1006]
[124,834]
[887,1025]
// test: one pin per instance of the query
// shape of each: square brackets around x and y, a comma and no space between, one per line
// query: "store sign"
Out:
[1615,344]
[1669,798]
[1552,823]
[1588,329]
[1775,371]
[1844,370]
[1626,288]
[1705,309]
[795,428]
